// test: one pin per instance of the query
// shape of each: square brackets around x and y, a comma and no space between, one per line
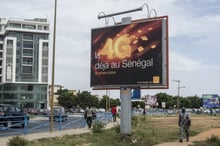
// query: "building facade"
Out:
[57,89]
[24,59]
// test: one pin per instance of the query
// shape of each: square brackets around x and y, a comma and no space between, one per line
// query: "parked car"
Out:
[11,114]
[31,111]
[59,112]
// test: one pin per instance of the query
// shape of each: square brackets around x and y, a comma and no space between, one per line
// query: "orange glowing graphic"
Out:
[140,49]
[118,48]
[127,42]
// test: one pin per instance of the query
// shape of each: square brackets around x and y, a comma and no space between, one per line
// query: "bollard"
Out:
[60,122]
[26,120]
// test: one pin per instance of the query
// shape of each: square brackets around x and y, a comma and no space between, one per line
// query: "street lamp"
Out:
[178,92]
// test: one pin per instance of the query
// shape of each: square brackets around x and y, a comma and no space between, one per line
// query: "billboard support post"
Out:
[125,122]
[125,95]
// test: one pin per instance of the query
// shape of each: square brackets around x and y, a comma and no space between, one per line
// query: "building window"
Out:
[27,52]
[45,45]
[44,78]
[46,28]
[27,69]
[44,70]
[43,97]
[27,61]
[43,88]
[28,26]
[28,37]
[28,44]
[27,88]
[9,42]
[44,61]
[30,87]
[45,53]
[15,25]
[26,96]
[1,47]
[40,27]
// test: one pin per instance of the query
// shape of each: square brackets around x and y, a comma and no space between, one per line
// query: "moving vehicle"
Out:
[11,114]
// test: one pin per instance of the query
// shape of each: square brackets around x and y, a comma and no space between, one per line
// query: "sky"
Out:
[193,39]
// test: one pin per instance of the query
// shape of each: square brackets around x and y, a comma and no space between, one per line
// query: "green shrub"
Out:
[214,138]
[212,141]
[98,127]
[17,141]
[117,129]
[134,121]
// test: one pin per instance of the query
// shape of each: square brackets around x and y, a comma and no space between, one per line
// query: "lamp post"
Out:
[178,92]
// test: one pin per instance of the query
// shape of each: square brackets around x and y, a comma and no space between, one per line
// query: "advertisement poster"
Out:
[210,100]
[150,100]
[127,55]
[136,95]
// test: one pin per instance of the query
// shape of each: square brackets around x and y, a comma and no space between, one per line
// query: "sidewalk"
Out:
[35,136]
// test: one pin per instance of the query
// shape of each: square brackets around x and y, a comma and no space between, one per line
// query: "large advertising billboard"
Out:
[210,100]
[134,55]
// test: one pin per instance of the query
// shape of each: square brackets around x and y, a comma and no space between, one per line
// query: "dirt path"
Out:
[199,137]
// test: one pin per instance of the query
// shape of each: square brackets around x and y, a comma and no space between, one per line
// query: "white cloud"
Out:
[179,62]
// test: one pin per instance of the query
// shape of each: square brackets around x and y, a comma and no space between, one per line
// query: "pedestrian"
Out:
[88,116]
[184,124]
[114,113]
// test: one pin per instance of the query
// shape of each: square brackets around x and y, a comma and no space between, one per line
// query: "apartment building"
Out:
[24,58]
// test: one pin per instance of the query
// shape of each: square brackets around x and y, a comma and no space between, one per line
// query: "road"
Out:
[42,124]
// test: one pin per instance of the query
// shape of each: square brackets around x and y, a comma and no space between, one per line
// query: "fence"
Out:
[41,123]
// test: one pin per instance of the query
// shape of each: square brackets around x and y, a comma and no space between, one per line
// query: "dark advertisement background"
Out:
[127,55]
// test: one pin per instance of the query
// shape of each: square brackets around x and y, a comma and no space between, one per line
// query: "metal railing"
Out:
[41,123]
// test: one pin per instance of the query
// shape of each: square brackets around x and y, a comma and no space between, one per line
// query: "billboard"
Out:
[151,100]
[134,55]
[210,100]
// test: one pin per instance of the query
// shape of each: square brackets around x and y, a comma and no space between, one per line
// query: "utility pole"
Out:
[53,69]
[178,92]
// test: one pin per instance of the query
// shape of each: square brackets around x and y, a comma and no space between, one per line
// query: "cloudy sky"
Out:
[194,37]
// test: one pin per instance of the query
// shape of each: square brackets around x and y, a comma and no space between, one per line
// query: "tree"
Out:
[85,99]
[114,102]
[102,103]
[168,99]
[136,104]
[105,102]
[196,102]
[67,99]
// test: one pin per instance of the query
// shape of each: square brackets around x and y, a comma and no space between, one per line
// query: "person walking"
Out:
[88,116]
[184,124]
[114,113]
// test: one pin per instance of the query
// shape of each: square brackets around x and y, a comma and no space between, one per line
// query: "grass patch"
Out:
[146,131]
[213,141]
